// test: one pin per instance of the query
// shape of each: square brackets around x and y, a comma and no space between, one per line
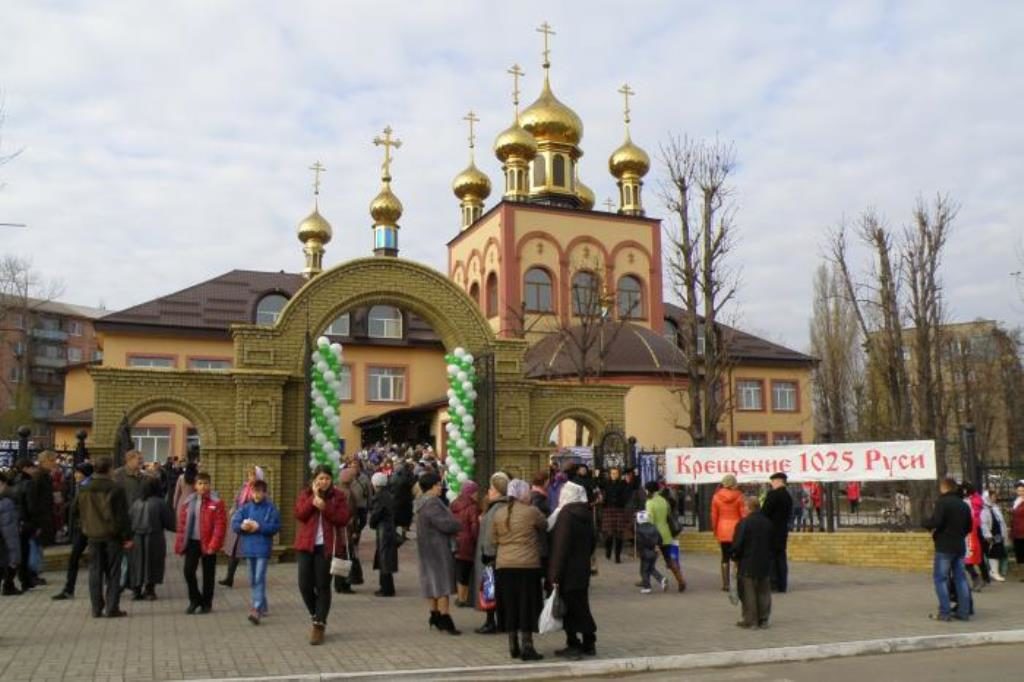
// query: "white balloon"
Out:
[472,395]
[467,386]
[460,410]
[323,342]
[322,366]
[453,402]
[450,427]
[451,495]
[468,452]
[459,352]
[336,348]
[320,438]
[330,376]
[469,428]
[313,462]
[468,419]
[462,477]
[461,443]
[452,369]
[451,393]
[468,357]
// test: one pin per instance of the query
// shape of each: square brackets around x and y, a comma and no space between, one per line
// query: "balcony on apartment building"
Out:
[50,334]
[48,361]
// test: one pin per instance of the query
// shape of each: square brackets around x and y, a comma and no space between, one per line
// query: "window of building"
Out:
[387,384]
[750,393]
[209,364]
[702,341]
[153,442]
[539,174]
[51,324]
[537,288]
[340,326]
[269,309]
[345,377]
[19,348]
[97,355]
[14,375]
[18,321]
[75,328]
[385,322]
[474,293]
[492,295]
[671,332]
[558,170]
[74,354]
[151,361]
[48,351]
[751,440]
[786,439]
[784,396]
[630,296]
[192,440]
[585,296]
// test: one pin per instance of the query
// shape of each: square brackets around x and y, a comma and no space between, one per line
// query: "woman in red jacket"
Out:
[466,508]
[322,512]
[727,509]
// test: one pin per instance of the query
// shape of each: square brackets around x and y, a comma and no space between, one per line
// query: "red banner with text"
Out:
[891,461]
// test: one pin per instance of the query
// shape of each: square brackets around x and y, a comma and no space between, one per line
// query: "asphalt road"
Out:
[989,663]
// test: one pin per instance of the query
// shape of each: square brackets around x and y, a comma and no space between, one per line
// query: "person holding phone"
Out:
[323,513]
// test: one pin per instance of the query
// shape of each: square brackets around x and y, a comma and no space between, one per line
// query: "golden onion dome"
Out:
[548,119]
[515,141]
[585,194]
[315,227]
[385,208]
[471,182]
[629,158]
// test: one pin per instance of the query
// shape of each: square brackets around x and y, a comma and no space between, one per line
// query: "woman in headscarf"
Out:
[572,542]
[252,474]
[150,518]
[466,508]
[435,527]
[519,589]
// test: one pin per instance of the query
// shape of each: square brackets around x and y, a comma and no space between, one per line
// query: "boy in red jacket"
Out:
[202,523]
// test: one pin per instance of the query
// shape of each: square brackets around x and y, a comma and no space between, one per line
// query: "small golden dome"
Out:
[548,119]
[515,141]
[585,194]
[471,182]
[385,208]
[629,158]
[315,226]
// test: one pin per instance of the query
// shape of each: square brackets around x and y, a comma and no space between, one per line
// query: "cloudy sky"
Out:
[165,143]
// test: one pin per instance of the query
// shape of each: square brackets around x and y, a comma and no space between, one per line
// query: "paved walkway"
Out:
[41,639]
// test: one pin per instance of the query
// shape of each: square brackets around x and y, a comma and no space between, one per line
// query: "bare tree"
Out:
[4,157]
[835,342]
[698,196]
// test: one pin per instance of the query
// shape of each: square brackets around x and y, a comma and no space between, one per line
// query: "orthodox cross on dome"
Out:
[387,142]
[626,93]
[610,205]
[545,28]
[516,73]
[471,118]
[317,169]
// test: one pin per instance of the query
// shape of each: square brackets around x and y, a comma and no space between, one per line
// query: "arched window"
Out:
[340,326]
[492,295]
[672,332]
[385,322]
[586,299]
[558,170]
[539,175]
[474,293]
[630,297]
[269,308]
[537,290]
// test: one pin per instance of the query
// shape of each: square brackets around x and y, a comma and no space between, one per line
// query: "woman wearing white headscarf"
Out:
[572,542]
[518,581]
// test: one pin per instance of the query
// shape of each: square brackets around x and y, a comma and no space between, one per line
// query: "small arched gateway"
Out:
[256,412]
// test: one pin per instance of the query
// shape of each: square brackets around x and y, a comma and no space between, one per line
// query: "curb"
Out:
[642,664]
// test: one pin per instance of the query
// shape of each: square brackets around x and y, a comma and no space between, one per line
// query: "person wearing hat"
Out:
[778,506]
[727,510]
[83,475]
[382,521]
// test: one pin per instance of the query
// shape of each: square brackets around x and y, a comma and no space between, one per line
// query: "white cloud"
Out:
[168,143]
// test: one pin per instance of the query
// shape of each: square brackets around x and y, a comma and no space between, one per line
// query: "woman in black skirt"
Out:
[519,591]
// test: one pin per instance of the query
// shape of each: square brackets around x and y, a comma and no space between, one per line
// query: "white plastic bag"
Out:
[550,616]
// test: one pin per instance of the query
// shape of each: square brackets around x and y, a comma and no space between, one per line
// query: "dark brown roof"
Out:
[213,305]
[744,346]
[427,407]
[632,349]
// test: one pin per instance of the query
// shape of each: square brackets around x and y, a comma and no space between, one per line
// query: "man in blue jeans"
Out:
[950,523]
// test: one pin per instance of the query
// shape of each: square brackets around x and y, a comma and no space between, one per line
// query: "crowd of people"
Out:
[503,551]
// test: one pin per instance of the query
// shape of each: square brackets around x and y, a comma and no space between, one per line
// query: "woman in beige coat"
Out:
[517,532]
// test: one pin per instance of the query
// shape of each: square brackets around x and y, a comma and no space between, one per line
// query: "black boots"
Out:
[529,653]
[513,645]
[446,624]
[9,589]
[725,577]
[489,627]
[608,548]
[435,619]
[618,550]
[229,581]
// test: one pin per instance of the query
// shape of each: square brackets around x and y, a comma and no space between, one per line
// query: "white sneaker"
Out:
[645,590]
[664,583]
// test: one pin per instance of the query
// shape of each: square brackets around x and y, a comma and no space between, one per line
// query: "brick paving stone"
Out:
[42,639]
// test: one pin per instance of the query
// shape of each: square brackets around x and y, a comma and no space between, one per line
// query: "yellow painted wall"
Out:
[117,347]
[78,390]
[651,414]
[769,421]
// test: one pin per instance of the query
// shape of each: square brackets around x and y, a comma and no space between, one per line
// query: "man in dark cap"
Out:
[778,506]
[83,475]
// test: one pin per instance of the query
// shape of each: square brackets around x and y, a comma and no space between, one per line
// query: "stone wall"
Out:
[901,551]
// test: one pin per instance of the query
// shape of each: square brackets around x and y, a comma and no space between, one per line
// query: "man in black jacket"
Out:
[950,523]
[778,507]
[753,547]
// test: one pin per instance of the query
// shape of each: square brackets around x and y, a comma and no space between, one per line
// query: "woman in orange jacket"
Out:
[727,509]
